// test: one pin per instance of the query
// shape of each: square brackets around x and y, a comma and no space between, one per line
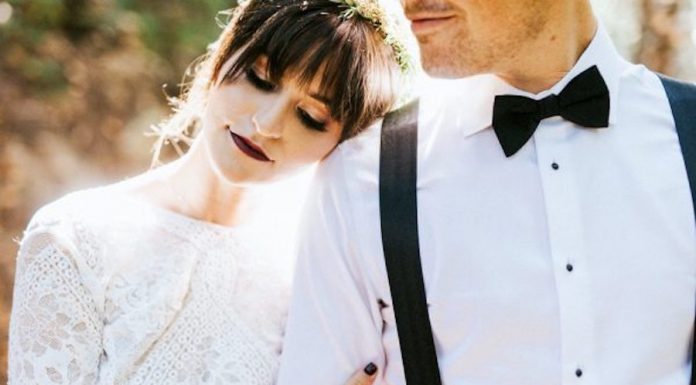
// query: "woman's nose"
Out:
[269,128]
[268,118]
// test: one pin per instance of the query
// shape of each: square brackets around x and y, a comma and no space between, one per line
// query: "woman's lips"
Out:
[248,147]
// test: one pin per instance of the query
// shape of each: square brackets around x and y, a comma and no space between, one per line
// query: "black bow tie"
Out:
[584,101]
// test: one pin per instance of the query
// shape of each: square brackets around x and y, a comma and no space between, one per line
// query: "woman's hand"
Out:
[365,376]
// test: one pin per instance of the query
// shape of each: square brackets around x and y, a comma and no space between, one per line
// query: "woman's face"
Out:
[259,131]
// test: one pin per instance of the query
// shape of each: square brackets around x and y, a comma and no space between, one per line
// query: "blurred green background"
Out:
[82,80]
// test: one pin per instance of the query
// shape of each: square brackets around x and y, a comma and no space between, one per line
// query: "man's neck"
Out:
[546,60]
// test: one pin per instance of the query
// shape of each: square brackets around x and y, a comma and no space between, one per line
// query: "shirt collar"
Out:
[600,52]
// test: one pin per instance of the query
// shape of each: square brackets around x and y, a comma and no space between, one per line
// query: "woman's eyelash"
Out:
[267,86]
[310,122]
[259,83]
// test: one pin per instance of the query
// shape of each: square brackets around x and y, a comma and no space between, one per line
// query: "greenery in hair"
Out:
[372,11]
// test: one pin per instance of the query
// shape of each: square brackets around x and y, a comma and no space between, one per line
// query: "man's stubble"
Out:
[491,44]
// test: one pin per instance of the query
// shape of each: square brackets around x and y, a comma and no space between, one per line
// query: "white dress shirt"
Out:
[571,262]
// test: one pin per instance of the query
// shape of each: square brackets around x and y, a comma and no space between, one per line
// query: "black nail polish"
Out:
[370,369]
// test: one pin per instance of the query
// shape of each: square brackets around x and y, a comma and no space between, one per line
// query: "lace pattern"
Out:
[54,323]
[112,291]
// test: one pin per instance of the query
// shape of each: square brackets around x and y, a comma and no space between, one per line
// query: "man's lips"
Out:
[426,23]
[248,147]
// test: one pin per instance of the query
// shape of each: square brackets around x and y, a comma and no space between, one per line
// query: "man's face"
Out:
[465,37]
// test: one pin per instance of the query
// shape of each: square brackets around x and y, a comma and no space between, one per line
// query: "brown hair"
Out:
[305,39]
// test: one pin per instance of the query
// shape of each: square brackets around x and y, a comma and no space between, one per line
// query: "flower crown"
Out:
[372,11]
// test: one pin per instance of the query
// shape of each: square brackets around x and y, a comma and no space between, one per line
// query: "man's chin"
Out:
[445,69]
[441,61]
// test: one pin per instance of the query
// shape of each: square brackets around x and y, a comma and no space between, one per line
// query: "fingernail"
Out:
[370,369]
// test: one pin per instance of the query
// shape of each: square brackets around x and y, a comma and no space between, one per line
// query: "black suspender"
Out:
[399,219]
[399,216]
[682,98]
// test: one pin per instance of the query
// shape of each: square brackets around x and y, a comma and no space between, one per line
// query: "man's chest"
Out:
[579,244]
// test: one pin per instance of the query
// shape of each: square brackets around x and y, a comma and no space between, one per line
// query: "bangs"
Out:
[310,41]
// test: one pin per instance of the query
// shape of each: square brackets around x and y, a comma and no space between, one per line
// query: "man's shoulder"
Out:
[440,108]
[678,89]
[354,158]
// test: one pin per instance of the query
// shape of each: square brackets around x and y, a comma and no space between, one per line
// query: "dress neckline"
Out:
[178,217]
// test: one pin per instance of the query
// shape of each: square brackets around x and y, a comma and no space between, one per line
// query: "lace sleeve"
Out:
[55,330]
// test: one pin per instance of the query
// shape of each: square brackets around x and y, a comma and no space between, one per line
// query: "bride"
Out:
[157,280]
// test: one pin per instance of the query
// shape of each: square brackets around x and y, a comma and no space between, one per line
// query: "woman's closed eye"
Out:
[309,121]
[258,82]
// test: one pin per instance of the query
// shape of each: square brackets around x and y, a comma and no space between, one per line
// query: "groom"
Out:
[555,250]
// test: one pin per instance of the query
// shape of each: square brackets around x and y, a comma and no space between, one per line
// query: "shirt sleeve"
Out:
[334,326]
[55,330]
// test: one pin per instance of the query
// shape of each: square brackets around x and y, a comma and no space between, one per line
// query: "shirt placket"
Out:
[571,270]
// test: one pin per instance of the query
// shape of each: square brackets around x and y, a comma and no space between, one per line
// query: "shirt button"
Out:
[555,166]
[569,267]
[578,372]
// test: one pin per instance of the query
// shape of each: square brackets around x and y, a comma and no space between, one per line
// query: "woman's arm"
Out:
[55,330]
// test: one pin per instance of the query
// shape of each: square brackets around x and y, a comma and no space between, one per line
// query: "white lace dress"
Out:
[113,290]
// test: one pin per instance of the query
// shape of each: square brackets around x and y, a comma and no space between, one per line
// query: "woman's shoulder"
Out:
[92,206]
[59,238]
[108,205]
[88,222]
